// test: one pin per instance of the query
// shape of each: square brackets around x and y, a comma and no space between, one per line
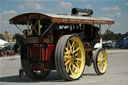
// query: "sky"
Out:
[113,9]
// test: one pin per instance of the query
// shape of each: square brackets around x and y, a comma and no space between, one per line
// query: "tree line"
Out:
[109,35]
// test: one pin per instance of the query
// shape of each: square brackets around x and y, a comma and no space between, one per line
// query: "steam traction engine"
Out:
[61,42]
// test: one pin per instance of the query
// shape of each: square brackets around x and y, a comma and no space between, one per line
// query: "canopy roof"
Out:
[71,19]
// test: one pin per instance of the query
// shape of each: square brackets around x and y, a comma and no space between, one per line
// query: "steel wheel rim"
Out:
[74,57]
[102,61]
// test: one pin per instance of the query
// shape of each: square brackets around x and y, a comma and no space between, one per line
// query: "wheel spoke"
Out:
[100,55]
[66,49]
[71,70]
[100,67]
[99,61]
[76,54]
[70,67]
[73,43]
[103,60]
[67,62]
[73,48]
[66,56]
[66,53]
[77,66]
[76,69]
[67,68]
[78,59]
[76,50]
[103,64]
[69,44]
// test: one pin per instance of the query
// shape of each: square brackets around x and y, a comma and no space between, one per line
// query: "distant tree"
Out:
[126,34]
[118,36]
[6,32]
[109,35]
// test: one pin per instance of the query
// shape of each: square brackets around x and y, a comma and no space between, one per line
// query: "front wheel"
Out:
[70,57]
[100,61]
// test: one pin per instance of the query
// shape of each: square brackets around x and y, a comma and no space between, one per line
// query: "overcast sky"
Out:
[114,9]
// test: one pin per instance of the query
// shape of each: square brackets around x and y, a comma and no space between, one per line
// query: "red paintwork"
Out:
[35,52]
[40,53]
[44,53]
[50,51]
[89,50]
[80,21]
[46,40]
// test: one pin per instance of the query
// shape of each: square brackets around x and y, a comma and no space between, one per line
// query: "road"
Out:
[117,73]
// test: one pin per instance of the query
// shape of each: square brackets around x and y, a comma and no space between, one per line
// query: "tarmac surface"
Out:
[117,72]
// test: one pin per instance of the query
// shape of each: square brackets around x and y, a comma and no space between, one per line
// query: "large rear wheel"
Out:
[25,62]
[100,63]
[70,57]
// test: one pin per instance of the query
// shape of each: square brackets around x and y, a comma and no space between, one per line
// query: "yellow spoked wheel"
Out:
[70,57]
[100,61]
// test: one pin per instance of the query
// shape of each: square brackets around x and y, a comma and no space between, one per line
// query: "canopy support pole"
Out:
[47,29]
[100,29]
[39,27]
[27,27]
[19,29]
[109,27]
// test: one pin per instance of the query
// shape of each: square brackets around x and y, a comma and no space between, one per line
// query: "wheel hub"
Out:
[71,54]
[72,59]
